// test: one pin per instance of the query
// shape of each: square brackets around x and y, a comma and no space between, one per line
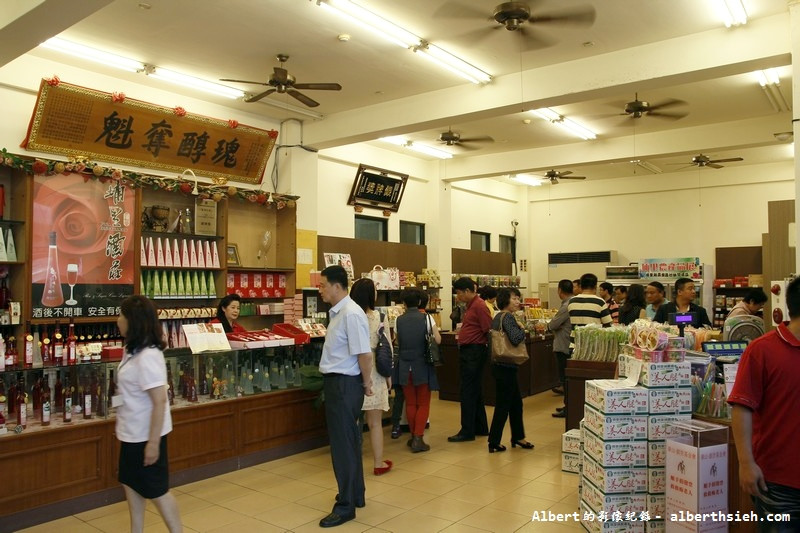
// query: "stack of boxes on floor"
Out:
[623,445]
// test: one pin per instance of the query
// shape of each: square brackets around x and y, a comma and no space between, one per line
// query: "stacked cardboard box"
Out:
[571,451]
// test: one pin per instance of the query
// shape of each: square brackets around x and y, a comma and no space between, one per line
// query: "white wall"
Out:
[486,206]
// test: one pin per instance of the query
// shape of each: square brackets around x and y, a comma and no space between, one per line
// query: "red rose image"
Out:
[53,82]
[81,218]
[233,124]
[179,111]
[39,167]
[186,187]
[262,198]
[273,134]
[117,98]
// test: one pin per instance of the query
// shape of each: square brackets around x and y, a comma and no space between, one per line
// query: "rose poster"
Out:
[82,246]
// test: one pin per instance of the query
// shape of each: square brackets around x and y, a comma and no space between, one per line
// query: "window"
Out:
[412,232]
[479,241]
[505,244]
[373,229]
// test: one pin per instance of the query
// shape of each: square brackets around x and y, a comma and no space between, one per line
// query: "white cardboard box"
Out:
[656,505]
[656,480]
[613,396]
[656,453]
[598,501]
[614,427]
[607,526]
[665,374]
[614,480]
[621,453]
[660,427]
[571,462]
[571,441]
[670,401]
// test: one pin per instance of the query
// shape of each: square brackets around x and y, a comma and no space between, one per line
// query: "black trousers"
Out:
[398,406]
[472,358]
[561,363]
[344,396]
[508,405]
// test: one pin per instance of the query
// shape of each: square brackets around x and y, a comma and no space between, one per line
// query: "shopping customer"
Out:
[472,355]
[489,295]
[228,312]
[561,327]
[655,295]
[346,367]
[418,377]
[752,304]
[634,306]
[766,403]
[606,292]
[364,294]
[684,303]
[143,417]
[509,400]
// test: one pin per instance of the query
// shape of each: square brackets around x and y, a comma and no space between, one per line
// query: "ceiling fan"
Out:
[282,82]
[639,108]
[452,138]
[701,160]
[520,18]
[555,175]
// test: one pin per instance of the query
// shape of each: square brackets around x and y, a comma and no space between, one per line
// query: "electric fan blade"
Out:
[565,173]
[476,36]
[712,165]
[245,81]
[281,75]
[534,40]
[666,103]
[729,160]
[484,139]
[258,97]
[572,177]
[465,146]
[303,98]
[456,10]
[584,15]
[668,116]
[318,86]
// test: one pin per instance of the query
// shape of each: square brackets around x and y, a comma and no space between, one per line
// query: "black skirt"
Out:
[148,481]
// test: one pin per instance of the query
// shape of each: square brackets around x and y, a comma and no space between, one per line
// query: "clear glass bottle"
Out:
[52,295]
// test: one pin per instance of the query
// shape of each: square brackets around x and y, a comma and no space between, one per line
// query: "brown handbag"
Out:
[502,349]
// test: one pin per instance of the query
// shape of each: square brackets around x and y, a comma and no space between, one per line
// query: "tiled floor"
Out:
[455,487]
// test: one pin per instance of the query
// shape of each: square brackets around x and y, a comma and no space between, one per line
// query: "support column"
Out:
[438,239]
[794,28]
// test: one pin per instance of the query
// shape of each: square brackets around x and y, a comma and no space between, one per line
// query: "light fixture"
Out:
[784,136]
[92,54]
[770,82]
[398,140]
[732,12]
[193,83]
[565,123]
[195,192]
[405,39]
[647,165]
[526,180]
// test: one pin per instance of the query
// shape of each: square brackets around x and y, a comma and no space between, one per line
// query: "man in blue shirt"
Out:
[346,366]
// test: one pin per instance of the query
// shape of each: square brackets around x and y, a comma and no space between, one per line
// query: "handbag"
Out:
[384,363]
[432,354]
[502,349]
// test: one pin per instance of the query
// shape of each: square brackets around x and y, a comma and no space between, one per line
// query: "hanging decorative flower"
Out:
[179,111]
[117,98]
[281,204]
[273,134]
[54,81]
[262,198]
[232,191]
[60,168]
[39,167]
[217,196]
[292,204]
[252,197]
[116,174]
[98,170]
[233,124]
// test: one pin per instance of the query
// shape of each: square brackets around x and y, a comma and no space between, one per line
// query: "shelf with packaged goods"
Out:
[174,235]
[276,270]
[76,319]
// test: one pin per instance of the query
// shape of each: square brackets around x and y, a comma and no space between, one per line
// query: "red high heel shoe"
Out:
[379,471]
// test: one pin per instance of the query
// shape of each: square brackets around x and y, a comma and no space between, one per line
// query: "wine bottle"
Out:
[47,354]
[87,400]
[112,388]
[21,405]
[46,402]
[52,294]
[97,394]
[2,354]
[58,346]
[36,398]
[12,398]
[58,399]
[72,347]
[5,294]
[11,353]
[170,385]
[68,390]
[3,399]
[28,346]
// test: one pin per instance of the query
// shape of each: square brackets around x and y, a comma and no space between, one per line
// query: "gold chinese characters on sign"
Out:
[77,121]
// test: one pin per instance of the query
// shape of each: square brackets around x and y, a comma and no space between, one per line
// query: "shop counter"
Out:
[578,373]
[538,374]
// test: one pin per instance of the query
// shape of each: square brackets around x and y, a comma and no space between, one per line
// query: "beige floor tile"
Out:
[189,504]
[433,485]
[570,498]
[500,481]
[546,491]
[476,494]
[322,461]
[253,503]
[324,479]
[397,477]
[558,477]
[292,490]
[118,507]
[299,470]
[121,521]
[277,463]
[448,454]
[67,524]
[421,465]
[291,515]
[413,522]
[325,451]
[495,520]
[541,461]
[210,518]
[403,497]
[321,501]
[220,491]
[462,528]
[376,486]
[486,461]
[353,526]
[565,507]
[521,504]
[447,508]
[460,473]
[253,477]
[377,512]
[522,469]
[551,527]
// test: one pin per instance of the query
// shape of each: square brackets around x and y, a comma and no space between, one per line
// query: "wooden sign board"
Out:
[378,188]
[82,122]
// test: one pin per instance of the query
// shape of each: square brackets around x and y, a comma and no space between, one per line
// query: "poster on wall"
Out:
[82,251]
[342,260]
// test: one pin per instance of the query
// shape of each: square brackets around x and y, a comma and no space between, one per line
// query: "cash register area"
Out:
[455,487]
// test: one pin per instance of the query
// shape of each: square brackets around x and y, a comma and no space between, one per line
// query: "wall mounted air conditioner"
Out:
[572,265]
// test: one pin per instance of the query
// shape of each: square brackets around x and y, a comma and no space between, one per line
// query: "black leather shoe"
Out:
[558,390]
[560,408]
[481,434]
[333,520]
[560,414]
[459,438]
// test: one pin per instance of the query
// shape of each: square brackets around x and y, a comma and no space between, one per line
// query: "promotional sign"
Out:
[83,122]
[342,260]
[670,268]
[82,247]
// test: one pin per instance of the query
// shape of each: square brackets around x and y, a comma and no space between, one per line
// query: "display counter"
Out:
[538,374]
[578,373]
[65,468]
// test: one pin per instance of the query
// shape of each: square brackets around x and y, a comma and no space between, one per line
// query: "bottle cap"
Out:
[52,238]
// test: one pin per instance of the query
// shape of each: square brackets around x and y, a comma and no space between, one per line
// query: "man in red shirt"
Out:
[472,356]
[766,409]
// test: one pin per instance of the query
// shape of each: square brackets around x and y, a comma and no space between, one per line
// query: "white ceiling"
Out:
[214,39]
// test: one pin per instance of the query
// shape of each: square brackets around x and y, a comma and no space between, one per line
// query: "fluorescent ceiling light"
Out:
[194,83]
[378,25]
[92,54]
[565,123]
[732,12]
[526,180]
[398,140]
[453,63]
[767,77]
[647,166]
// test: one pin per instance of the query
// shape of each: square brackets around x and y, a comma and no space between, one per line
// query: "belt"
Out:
[337,375]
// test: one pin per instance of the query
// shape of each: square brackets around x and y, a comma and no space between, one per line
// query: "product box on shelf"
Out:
[258,339]
[615,427]
[571,441]
[598,500]
[614,480]
[656,480]
[665,374]
[607,526]
[614,396]
[656,453]
[670,401]
[661,427]
[655,526]
[656,504]
[622,453]
[571,462]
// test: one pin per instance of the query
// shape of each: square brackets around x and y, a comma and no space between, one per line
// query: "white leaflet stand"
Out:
[697,476]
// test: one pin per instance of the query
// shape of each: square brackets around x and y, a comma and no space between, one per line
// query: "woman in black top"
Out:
[509,399]
[634,306]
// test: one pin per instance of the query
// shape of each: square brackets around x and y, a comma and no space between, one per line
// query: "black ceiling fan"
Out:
[452,138]
[640,108]
[555,175]
[520,18]
[282,82]
[701,160]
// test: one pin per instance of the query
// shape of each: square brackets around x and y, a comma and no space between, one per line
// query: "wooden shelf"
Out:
[76,319]
[173,235]
[12,262]
[190,269]
[232,268]
[12,222]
